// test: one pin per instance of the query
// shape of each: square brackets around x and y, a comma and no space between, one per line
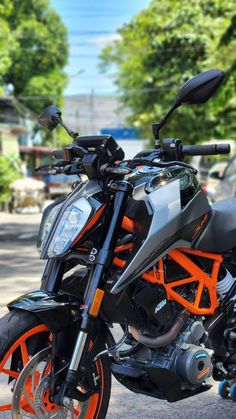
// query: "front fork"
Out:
[94,292]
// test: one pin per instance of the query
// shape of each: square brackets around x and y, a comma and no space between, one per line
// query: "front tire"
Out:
[22,335]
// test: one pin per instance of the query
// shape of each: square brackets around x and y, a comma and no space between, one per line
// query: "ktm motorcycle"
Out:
[135,244]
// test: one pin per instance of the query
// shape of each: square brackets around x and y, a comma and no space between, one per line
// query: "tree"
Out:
[5,36]
[38,52]
[162,47]
[9,171]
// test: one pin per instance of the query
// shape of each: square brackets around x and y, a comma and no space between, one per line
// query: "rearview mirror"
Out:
[48,117]
[200,88]
[216,175]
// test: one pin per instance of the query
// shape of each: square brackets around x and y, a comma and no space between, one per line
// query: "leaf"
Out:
[33,50]
[163,46]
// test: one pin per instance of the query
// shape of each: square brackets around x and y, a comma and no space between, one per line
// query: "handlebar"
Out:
[205,150]
[94,164]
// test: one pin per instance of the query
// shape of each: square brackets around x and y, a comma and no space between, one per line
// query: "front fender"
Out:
[57,311]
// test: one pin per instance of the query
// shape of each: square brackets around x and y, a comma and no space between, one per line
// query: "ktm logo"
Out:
[202,373]
[199,227]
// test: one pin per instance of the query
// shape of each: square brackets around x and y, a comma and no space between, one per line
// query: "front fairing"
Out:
[89,191]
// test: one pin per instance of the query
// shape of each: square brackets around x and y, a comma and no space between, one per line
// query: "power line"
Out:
[98,15]
[94,10]
[128,91]
[69,115]
[150,52]
[91,42]
[97,32]
[78,55]
[90,56]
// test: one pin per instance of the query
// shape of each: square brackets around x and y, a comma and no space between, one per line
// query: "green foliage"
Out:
[58,138]
[162,47]
[9,171]
[37,53]
[5,36]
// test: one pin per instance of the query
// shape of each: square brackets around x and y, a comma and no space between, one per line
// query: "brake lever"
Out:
[37,169]
[49,167]
[69,169]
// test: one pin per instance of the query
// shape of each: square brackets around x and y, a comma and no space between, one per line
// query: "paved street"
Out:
[20,270]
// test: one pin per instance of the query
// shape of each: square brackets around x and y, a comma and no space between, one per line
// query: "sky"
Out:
[91,25]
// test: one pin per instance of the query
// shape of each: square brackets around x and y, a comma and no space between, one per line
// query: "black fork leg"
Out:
[105,256]
[52,275]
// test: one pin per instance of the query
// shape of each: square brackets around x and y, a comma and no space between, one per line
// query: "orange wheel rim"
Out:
[95,401]
[21,341]
[48,405]
[21,344]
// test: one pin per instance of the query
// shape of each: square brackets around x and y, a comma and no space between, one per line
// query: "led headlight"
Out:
[72,221]
[49,217]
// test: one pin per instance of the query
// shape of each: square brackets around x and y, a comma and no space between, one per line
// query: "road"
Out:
[20,270]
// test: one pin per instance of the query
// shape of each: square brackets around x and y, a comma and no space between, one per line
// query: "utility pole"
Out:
[91,113]
[77,127]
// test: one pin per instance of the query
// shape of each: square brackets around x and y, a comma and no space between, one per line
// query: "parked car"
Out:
[58,185]
[203,164]
[217,170]
[222,185]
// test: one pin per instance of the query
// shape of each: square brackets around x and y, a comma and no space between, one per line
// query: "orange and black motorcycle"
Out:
[135,244]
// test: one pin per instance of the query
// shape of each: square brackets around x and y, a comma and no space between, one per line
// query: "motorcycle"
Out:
[135,244]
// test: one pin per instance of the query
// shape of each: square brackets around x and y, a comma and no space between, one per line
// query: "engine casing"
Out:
[185,357]
[192,363]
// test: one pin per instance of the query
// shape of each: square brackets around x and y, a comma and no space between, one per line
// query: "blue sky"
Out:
[91,24]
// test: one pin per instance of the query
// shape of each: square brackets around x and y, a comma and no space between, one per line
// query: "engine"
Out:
[172,359]
[185,357]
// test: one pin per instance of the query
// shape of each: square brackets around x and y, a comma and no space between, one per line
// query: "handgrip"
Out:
[205,150]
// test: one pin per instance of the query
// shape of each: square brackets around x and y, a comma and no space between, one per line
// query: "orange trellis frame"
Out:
[194,274]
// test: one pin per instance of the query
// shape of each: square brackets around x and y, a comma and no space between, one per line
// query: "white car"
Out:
[203,164]
[222,181]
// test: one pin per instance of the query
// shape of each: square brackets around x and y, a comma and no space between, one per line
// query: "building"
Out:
[14,128]
[93,114]
[88,114]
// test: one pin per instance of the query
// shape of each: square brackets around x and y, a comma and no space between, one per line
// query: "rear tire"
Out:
[233,392]
[18,331]
[223,389]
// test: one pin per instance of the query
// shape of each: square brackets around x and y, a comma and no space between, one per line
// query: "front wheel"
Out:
[25,367]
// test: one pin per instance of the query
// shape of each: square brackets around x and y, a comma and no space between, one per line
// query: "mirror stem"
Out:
[157,127]
[71,133]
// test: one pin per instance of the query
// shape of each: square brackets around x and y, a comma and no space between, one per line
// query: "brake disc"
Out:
[31,393]
[41,405]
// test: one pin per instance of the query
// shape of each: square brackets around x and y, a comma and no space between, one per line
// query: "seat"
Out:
[219,235]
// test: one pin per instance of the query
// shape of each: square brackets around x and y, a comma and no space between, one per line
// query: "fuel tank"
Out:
[154,178]
[166,206]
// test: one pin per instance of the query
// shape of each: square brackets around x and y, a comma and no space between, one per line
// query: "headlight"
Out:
[70,225]
[47,223]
